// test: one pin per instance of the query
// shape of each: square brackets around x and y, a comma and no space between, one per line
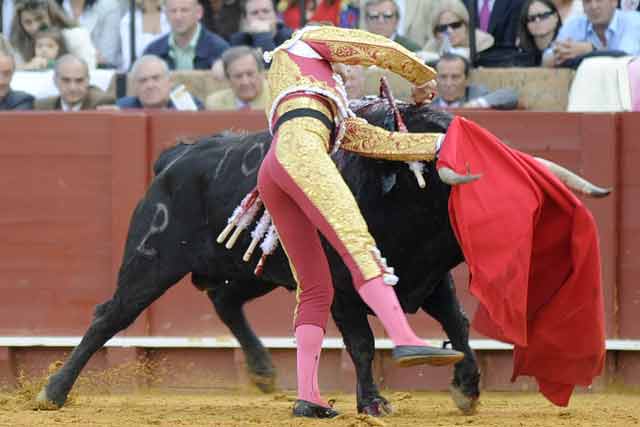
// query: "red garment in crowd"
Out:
[324,13]
[534,261]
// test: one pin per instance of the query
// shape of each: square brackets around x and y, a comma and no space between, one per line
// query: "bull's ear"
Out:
[388,182]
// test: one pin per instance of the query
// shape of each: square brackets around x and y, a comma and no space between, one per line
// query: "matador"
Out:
[305,194]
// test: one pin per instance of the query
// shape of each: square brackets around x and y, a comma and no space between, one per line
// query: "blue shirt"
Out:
[623,32]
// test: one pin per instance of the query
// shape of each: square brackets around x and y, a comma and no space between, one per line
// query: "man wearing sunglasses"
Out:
[603,28]
[382,17]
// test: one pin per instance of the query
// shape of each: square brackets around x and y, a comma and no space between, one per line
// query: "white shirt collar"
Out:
[67,107]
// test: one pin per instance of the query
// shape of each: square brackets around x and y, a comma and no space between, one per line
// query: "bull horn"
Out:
[448,176]
[574,181]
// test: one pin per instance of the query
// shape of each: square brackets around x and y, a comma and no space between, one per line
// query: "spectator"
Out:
[498,18]
[243,69]
[10,99]
[568,8]
[353,77]
[602,28]
[102,19]
[539,26]
[415,20]
[222,17]
[260,26]
[454,90]
[151,23]
[152,86]
[381,17]
[451,31]
[49,46]
[32,16]
[71,77]
[188,46]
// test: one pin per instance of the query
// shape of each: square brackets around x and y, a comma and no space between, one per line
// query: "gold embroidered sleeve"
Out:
[357,47]
[371,141]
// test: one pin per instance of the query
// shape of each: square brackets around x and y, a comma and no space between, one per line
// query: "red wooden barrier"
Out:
[69,184]
[629,233]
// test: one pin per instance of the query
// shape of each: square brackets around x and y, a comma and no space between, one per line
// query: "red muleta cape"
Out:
[534,261]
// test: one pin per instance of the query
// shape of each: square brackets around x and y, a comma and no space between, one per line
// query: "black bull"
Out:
[174,227]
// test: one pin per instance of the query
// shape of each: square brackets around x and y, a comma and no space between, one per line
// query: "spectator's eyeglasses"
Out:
[540,16]
[453,25]
[386,17]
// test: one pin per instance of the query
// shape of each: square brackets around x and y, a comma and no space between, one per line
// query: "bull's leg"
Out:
[228,300]
[350,315]
[443,305]
[140,283]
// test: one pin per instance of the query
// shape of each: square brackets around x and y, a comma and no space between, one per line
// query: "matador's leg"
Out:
[301,242]
[308,261]
[309,176]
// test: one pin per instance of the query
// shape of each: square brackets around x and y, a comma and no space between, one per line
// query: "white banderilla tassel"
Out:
[388,276]
[243,222]
[268,245]
[418,168]
[257,234]
[245,204]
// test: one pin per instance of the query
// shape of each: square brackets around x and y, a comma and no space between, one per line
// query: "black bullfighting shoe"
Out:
[410,355]
[304,408]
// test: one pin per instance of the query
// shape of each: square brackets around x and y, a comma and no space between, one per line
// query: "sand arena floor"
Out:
[234,408]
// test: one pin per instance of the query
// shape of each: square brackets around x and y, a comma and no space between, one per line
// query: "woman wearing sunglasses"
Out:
[539,26]
[451,31]
[31,16]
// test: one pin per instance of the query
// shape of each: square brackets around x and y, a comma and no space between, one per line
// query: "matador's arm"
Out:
[372,141]
[357,47]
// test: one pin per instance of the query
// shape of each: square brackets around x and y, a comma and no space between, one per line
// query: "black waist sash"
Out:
[306,112]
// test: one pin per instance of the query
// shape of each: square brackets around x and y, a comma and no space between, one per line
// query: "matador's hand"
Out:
[424,94]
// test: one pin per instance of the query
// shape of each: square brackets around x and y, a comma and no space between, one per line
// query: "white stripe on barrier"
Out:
[269,342]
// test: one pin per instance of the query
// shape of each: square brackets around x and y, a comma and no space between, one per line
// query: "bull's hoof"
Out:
[303,408]
[266,383]
[468,405]
[43,403]
[378,407]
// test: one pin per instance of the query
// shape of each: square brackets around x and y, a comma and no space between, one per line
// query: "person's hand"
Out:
[217,69]
[110,107]
[37,63]
[424,94]
[570,49]
[100,59]
[476,103]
